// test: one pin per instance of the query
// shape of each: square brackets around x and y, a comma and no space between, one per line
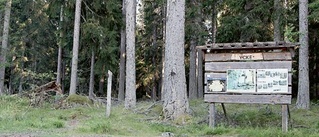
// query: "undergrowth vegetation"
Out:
[17,117]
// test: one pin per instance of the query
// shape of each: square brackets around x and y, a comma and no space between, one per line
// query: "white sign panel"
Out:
[215,84]
[241,80]
[272,80]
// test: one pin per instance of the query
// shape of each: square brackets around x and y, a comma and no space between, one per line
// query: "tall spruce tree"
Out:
[130,90]
[5,41]
[303,100]
[75,50]
[121,94]
[175,92]
[277,18]
[60,44]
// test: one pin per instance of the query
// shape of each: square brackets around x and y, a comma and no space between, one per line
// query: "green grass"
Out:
[244,120]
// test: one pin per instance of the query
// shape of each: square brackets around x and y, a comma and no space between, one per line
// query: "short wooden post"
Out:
[212,115]
[109,90]
[284,112]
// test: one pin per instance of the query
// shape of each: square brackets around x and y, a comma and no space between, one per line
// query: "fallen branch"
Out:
[144,110]
[51,86]
[40,94]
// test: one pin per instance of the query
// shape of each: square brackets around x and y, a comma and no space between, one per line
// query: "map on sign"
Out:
[241,80]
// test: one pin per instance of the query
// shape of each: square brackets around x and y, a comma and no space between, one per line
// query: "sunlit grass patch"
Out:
[244,120]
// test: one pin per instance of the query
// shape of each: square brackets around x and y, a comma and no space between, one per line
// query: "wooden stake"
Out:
[284,113]
[109,90]
[212,115]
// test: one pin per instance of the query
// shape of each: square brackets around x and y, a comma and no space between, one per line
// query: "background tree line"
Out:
[41,29]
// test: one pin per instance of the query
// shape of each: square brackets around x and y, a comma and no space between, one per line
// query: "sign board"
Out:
[215,84]
[272,80]
[241,80]
[247,56]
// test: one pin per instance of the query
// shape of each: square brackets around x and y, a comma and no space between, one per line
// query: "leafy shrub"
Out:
[58,124]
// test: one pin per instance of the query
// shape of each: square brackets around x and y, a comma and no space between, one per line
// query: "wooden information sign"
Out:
[256,73]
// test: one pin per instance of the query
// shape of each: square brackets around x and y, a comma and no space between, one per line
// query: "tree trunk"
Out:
[277,6]
[63,76]
[75,49]
[192,55]
[303,100]
[59,66]
[214,21]
[91,86]
[121,95]
[200,73]
[4,49]
[101,85]
[21,80]
[163,52]
[175,92]
[11,81]
[1,26]
[130,91]
[101,82]
[154,44]
[192,70]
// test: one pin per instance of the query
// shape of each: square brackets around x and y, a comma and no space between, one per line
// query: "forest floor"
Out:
[19,119]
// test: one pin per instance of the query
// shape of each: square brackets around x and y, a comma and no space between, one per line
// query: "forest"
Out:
[150,48]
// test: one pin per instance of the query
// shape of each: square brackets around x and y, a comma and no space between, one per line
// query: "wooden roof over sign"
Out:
[248,45]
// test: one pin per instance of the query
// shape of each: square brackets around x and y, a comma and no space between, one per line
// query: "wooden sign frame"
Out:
[221,57]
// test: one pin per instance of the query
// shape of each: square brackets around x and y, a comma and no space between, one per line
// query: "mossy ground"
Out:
[17,118]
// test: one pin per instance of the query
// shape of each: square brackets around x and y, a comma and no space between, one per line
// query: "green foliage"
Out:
[35,36]
[245,21]
[217,131]
[32,44]
[100,32]
[78,99]
[183,120]
[291,34]
[314,11]
[163,128]
[101,128]
[149,47]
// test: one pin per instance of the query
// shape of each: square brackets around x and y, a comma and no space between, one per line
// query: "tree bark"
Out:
[11,81]
[101,82]
[130,91]
[214,21]
[121,95]
[154,44]
[277,16]
[5,46]
[192,70]
[75,49]
[21,78]
[163,52]
[175,92]
[91,86]
[59,65]
[193,94]
[200,73]
[303,100]
[63,76]
[1,26]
